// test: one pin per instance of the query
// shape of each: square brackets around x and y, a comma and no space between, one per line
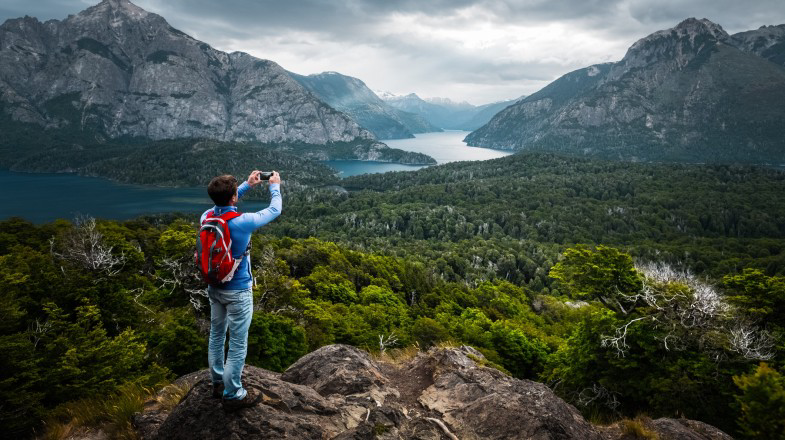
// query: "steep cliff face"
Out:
[119,71]
[352,97]
[682,94]
[339,392]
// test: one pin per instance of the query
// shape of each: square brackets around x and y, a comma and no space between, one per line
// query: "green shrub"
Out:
[761,404]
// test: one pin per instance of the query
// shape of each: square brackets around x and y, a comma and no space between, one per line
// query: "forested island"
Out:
[630,289]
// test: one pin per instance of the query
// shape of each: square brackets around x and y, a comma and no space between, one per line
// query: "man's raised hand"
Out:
[254,178]
[275,178]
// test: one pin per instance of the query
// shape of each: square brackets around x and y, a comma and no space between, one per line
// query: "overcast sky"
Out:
[475,50]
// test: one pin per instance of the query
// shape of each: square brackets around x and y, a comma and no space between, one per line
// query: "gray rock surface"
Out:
[691,93]
[119,71]
[340,392]
[336,369]
[665,429]
[287,411]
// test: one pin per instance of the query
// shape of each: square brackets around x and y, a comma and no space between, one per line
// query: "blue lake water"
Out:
[445,147]
[45,197]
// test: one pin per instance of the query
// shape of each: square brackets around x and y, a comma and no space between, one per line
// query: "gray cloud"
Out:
[480,50]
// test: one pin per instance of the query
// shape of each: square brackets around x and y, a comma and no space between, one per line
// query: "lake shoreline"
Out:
[65,194]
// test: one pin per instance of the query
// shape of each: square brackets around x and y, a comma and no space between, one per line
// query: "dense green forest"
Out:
[511,217]
[628,288]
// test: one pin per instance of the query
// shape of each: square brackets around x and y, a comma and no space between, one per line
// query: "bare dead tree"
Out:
[619,340]
[600,395]
[267,270]
[84,246]
[691,313]
[36,330]
[180,273]
[136,294]
[387,342]
[751,342]
[177,272]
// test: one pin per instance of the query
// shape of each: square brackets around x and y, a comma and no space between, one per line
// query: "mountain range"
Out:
[351,96]
[118,72]
[692,93]
[445,113]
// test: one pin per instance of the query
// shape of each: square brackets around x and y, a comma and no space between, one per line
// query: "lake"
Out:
[42,198]
[445,147]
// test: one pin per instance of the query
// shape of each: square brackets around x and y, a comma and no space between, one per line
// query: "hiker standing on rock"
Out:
[222,255]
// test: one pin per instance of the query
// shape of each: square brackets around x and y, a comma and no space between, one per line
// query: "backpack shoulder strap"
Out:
[226,216]
[232,215]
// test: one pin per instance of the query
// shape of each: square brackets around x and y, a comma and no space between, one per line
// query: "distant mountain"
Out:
[351,96]
[116,71]
[767,42]
[484,113]
[450,104]
[692,93]
[444,112]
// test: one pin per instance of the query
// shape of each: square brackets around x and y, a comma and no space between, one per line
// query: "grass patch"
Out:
[482,362]
[171,395]
[111,414]
[637,429]
[397,356]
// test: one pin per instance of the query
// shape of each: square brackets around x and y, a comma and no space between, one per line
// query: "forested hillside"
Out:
[629,289]
[510,217]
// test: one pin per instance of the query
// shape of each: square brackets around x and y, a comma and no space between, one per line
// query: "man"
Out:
[231,303]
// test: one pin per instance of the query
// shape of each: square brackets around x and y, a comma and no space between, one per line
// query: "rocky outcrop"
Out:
[691,93]
[337,369]
[339,392]
[121,72]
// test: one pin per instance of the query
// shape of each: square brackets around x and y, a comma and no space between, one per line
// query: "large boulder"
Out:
[286,411]
[339,392]
[336,369]
[484,403]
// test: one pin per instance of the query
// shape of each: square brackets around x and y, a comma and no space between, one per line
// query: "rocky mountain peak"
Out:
[124,7]
[693,27]
[114,12]
[127,72]
[676,46]
[692,31]
[688,93]
[117,21]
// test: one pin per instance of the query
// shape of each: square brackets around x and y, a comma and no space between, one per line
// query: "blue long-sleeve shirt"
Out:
[240,230]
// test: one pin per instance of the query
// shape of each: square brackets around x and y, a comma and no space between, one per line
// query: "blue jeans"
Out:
[229,309]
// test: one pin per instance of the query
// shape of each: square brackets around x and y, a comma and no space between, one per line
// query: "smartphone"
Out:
[265,175]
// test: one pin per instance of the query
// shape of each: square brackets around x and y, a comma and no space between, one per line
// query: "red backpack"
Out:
[213,254]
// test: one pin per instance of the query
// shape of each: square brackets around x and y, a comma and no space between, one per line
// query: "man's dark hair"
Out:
[221,189]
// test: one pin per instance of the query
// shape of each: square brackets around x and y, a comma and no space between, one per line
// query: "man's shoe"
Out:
[252,397]
[218,390]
